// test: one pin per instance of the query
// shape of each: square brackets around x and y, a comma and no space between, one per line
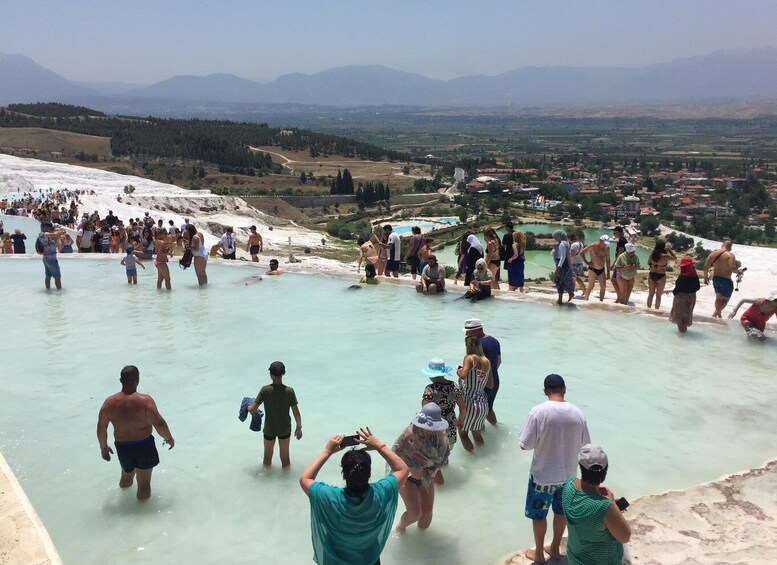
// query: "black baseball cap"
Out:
[554,381]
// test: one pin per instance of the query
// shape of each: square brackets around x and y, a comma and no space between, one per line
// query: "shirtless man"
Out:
[255,244]
[723,265]
[598,266]
[132,415]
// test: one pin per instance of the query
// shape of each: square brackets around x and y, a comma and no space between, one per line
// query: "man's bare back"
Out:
[133,416]
[130,415]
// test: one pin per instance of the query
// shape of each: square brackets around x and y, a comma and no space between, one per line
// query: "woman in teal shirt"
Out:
[597,529]
[350,525]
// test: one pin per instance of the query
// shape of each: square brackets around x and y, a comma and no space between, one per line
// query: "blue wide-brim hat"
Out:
[430,418]
[436,368]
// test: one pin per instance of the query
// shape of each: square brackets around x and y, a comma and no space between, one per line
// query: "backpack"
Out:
[38,246]
[186,261]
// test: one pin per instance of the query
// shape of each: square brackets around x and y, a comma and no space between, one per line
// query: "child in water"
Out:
[129,262]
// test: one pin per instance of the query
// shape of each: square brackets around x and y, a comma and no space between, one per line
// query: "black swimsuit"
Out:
[597,271]
[655,277]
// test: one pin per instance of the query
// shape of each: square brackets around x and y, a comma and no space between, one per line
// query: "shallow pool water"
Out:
[671,411]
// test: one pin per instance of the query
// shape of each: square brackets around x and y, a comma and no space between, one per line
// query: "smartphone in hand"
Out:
[622,504]
[349,441]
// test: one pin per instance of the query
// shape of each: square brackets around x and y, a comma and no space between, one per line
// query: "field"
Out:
[52,141]
[505,135]
[296,162]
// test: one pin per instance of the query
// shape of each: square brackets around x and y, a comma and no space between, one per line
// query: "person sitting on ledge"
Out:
[432,277]
[480,286]
[370,275]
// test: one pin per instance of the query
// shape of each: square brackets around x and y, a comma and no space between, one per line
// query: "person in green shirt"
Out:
[626,266]
[597,528]
[278,399]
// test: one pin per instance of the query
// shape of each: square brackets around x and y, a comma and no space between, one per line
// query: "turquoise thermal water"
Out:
[670,410]
[540,263]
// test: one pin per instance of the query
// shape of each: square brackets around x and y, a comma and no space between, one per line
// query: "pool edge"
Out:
[32,536]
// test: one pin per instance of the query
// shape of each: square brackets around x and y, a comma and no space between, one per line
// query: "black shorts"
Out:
[413,262]
[230,255]
[140,454]
[272,438]
[392,266]
[254,250]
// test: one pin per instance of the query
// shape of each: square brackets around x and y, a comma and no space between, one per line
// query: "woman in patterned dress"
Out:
[447,396]
[474,377]
[564,276]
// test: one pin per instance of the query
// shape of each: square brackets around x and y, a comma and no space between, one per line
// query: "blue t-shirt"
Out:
[492,351]
[348,529]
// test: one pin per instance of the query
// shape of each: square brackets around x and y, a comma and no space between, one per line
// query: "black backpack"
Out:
[38,246]
[186,261]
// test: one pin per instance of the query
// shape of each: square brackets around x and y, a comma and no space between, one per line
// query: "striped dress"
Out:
[473,389]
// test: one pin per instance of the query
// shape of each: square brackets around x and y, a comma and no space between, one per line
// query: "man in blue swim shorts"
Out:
[133,415]
[723,265]
[555,430]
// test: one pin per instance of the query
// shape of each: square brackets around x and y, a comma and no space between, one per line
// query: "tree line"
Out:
[219,142]
[53,110]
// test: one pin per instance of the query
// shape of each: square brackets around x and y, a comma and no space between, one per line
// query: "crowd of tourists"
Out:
[483,263]
[135,239]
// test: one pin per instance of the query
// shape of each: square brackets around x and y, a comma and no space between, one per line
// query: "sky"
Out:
[144,41]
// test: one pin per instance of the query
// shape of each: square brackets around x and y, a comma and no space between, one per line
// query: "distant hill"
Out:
[720,77]
[211,88]
[23,80]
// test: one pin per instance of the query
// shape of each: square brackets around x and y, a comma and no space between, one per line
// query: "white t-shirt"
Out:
[555,431]
[397,253]
[228,241]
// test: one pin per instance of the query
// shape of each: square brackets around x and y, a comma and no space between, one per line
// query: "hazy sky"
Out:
[144,41]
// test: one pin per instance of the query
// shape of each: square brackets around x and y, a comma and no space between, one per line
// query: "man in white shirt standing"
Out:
[555,430]
[228,245]
[394,246]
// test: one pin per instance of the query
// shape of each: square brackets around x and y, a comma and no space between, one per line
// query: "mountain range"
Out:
[722,76]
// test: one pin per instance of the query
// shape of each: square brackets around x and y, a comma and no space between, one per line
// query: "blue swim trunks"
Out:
[139,454]
[51,265]
[132,272]
[723,286]
[540,498]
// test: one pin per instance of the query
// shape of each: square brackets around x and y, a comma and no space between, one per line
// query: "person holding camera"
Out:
[597,528]
[351,525]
